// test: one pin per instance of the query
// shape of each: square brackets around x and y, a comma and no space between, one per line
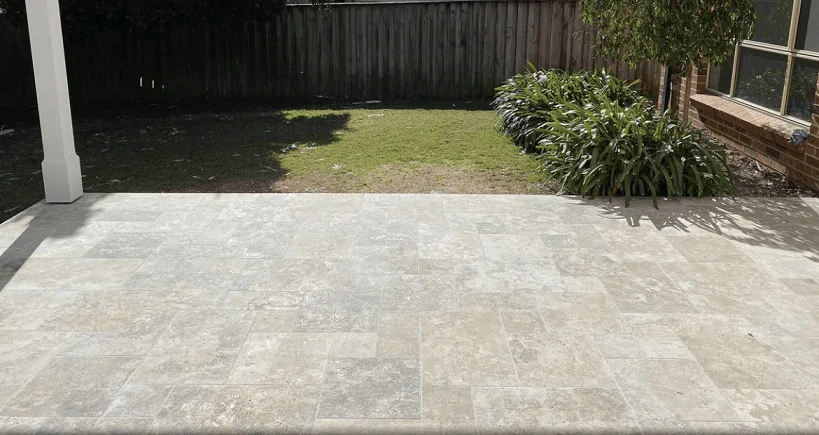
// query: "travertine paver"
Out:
[446,314]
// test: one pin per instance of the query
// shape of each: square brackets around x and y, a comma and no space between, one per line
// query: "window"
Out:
[775,70]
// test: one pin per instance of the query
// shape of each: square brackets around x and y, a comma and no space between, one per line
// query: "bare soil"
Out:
[753,179]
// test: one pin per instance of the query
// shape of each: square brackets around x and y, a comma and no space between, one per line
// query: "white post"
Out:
[61,166]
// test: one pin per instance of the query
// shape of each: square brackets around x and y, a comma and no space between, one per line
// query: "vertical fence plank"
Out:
[532,32]
[521,36]
[511,34]
[576,39]
[545,27]
[487,66]
[500,42]
[477,51]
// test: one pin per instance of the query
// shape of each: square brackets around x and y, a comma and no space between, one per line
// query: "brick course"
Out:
[759,135]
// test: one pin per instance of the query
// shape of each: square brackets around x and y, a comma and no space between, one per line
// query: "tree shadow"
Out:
[169,149]
[787,226]
[190,151]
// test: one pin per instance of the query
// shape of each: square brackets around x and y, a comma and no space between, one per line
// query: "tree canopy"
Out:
[151,14]
[672,32]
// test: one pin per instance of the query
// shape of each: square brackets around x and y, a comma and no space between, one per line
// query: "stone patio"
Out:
[320,313]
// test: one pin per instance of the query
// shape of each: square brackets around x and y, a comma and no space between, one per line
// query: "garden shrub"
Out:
[525,101]
[599,137]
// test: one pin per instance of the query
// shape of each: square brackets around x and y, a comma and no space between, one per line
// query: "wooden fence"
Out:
[406,50]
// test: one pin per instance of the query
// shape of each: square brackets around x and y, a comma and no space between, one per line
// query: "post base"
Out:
[62,180]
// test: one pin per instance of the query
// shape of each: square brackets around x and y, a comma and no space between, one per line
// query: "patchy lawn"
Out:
[451,148]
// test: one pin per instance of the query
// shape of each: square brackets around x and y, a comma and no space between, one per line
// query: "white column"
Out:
[61,166]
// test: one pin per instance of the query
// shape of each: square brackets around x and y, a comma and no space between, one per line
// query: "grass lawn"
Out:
[452,149]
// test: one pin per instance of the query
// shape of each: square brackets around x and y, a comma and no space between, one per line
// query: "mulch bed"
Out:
[754,179]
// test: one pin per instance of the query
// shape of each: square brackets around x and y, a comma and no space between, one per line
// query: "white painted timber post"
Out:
[61,166]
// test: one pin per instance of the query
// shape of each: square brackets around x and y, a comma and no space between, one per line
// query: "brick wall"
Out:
[761,136]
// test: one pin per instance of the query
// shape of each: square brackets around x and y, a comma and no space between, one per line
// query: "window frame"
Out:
[789,51]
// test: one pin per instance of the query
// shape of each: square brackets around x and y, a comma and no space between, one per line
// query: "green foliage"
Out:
[85,15]
[610,150]
[672,32]
[608,140]
[525,101]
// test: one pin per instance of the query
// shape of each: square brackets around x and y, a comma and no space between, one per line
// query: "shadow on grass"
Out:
[184,152]
[143,151]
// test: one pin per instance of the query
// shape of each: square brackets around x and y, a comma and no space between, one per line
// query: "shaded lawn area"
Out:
[450,148]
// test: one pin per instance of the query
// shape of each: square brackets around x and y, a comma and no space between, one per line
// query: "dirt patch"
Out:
[753,179]
[411,178]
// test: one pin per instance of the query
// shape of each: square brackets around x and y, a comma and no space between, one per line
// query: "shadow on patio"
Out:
[768,224]
[67,230]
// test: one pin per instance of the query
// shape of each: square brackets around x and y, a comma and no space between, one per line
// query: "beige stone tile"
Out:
[581,313]
[465,349]
[583,284]
[513,248]
[275,321]
[731,428]
[138,401]
[559,360]
[644,268]
[92,426]
[385,258]
[20,425]
[667,428]
[567,410]
[647,295]
[354,345]
[737,360]
[398,335]
[745,280]
[670,390]
[24,353]
[443,243]
[72,387]
[281,359]
[632,249]
[371,388]
[803,286]
[263,301]
[398,427]
[621,346]
[197,347]
[522,322]
[587,262]
[447,403]
[776,405]
[7,392]
[87,274]
[708,249]
[233,408]
[22,319]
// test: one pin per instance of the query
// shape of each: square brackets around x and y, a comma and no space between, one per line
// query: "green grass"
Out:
[462,139]
[448,149]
